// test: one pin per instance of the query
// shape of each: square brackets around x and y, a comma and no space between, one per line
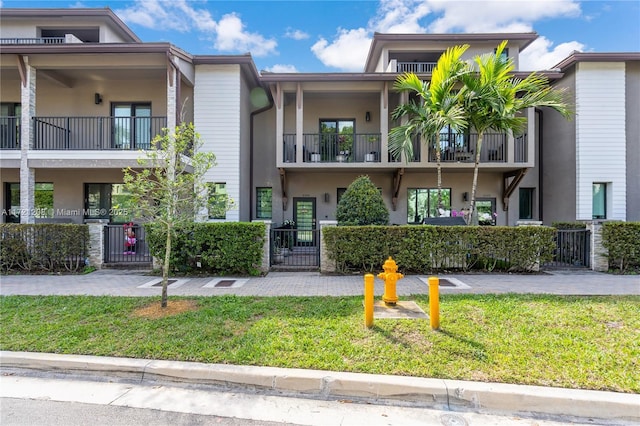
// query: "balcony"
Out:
[415,67]
[38,40]
[334,148]
[96,133]
[358,150]
[9,132]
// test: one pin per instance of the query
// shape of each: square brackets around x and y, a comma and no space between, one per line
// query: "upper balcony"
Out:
[84,133]
[366,150]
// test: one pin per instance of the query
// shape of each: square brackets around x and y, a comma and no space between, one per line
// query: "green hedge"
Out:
[622,240]
[220,248]
[423,249]
[43,247]
[569,225]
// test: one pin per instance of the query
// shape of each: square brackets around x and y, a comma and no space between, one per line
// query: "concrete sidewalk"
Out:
[139,283]
[594,407]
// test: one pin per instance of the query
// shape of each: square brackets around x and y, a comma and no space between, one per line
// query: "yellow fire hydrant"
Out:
[390,277]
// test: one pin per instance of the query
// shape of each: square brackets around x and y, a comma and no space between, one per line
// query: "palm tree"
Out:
[492,97]
[437,107]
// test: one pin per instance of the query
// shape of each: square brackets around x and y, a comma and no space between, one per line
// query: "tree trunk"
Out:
[439,172]
[165,269]
[473,217]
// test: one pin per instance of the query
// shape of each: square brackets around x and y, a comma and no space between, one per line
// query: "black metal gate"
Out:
[123,247]
[295,249]
[573,249]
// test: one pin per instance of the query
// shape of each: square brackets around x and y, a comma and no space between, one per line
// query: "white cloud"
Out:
[541,55]
[497,15]
[229,33]
[399,16]
[231,36]
[282,68]
[296,34]
[347,52]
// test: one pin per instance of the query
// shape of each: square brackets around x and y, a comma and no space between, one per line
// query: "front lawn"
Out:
[572,342]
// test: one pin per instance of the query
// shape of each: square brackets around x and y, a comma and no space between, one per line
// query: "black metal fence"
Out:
[9,132]
[120,246]
[573,249]
[293,248]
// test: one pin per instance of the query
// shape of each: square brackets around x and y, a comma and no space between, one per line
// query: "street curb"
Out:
[415,391]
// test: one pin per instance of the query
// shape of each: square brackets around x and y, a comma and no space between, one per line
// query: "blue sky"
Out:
[334,36]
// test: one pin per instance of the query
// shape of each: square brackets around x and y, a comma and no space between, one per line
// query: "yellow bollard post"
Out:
[368,300]
[434,302]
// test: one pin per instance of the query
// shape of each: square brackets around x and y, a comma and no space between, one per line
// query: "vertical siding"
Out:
[217,117]
[600,136]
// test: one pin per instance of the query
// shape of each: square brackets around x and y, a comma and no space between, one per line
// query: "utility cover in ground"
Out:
[402,309]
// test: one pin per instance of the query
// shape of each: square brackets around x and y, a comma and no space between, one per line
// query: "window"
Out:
[486,208]
[453,144]
[218,200]
[264,198]
[526,203]
[131,126]
[107,201]
[43,201]
[599,200]
[423,202]
[505,53]
[336,137]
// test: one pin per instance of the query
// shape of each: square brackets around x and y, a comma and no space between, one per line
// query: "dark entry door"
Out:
[304,214]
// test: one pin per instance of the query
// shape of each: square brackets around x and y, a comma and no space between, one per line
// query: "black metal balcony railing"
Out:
[38,40]
[359,148]
[9,132]
[334,148]
[96,133]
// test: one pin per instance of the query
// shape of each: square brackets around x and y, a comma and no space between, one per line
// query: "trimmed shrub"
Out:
[426,248]
[622,240]
[43,247]
[569,225]
[362,204]
[220,248]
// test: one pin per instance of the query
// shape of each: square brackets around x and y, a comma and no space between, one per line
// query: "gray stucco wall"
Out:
[558,159]
[632,84]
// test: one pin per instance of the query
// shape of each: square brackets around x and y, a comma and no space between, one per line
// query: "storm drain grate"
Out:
[225,283]
[443,282]
[169,282]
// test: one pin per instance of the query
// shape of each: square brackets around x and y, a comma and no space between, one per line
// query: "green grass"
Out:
[572,342]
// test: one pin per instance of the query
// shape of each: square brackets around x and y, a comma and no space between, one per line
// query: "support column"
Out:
[384,124]
[27,174]
[266,248]
[299,125]
[599,255]
[172,94]
[96,244]
[326,264]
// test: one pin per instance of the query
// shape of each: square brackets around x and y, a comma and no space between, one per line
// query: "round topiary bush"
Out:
[362,204]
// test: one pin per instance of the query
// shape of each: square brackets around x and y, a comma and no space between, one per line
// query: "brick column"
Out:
[266,248]
[96,244]
[27,174]
[599,255]
[326,265]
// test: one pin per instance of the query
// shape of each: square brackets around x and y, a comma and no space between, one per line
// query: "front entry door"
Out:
[304,214]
